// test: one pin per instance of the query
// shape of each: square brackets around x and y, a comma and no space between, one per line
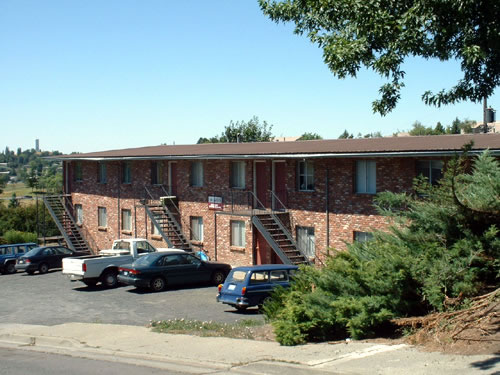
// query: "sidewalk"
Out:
[207,355]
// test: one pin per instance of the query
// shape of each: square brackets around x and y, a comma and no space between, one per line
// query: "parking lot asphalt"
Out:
[52,299]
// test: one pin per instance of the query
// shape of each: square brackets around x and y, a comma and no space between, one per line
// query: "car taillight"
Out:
[134,272]
[27,261]
[84,267]
[219,287]
[243,290]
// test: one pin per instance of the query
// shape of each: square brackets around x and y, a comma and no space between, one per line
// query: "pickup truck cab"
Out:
[10,253]
[91,269]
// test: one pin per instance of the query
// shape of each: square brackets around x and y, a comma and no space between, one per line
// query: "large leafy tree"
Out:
[243,131]
[379,35]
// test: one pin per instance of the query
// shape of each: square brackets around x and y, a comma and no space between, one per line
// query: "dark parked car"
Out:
[43,258]
[157,270]
[252,285]
[9,254]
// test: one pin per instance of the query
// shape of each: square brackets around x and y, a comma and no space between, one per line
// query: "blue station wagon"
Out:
[250,286]
[10,253]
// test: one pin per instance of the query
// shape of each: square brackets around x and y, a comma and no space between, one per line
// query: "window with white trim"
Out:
[154,230]
[78,175]
[366,176]
[238,233]
[79,214]
[127,220]
[156,173]
[102,174]
[305,176]
[196,174]
[430,169]
[363,236]
[306,241]
[126,173]
[238,174]
[102,217]
[196,228]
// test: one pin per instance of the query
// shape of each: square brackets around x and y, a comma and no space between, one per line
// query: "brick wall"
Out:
[333,197]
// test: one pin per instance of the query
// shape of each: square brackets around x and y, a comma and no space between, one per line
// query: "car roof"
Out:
[168,252]
[266,267]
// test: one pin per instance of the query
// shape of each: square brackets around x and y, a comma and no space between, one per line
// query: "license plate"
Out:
[21,261]
[231,287]
[125,273]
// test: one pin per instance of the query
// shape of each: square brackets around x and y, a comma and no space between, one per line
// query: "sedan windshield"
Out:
[33,252]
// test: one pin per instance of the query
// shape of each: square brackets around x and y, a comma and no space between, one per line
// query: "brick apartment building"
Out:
[246,203]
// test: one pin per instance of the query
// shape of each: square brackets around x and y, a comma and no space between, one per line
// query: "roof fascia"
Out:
[284,156]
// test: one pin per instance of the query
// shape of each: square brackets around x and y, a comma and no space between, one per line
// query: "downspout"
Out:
[215,236]
[119,195]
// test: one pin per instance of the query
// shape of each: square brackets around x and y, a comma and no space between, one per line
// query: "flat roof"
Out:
[385,146]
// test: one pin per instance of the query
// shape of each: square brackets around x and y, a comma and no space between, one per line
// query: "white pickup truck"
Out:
[91,269]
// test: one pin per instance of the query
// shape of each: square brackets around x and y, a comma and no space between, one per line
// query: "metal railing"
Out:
[70,209]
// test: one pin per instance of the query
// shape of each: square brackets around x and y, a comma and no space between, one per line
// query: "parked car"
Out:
[251,286]
[157,270]
[43,258]
[9,254]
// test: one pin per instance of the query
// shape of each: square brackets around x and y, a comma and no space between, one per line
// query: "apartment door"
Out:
[261,184]
[172,177]
[279,185]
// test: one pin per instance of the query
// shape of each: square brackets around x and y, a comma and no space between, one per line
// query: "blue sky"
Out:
[100,75]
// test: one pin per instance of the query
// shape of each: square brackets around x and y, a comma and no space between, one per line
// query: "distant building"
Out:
[37,145]
[285,139]
[493,127]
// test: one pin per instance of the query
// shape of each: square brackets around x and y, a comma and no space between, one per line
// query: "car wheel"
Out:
[218,277]
[30,272]
[11,268]
[43,268]
[158,284]
[110,279]
[90,283]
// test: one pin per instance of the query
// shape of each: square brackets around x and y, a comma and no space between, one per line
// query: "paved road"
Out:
[22,362]
[51,299]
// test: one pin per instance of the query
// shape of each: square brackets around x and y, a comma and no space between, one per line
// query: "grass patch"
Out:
[242,329]
[19,188]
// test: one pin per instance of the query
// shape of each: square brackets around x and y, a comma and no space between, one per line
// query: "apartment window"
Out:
[238,174]
[154,230]
[157,173]
[102,217]
[102,174]
[127,220]
[305,175]
[78,171]
[366,177]
[196,173]
[126,173]
[363,236]
[430,169]
[79,214]
[196,228]
[305,241]
[238,233]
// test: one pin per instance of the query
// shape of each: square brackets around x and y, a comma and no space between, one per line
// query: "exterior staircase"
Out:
[57,206]
[279,238]
[165,217]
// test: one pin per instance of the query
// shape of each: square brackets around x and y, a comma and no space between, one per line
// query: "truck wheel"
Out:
[218,277]
[44,268]
[158,284]
[110,279]
[11,268]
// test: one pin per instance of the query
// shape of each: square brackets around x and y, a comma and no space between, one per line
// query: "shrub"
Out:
[14,236]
